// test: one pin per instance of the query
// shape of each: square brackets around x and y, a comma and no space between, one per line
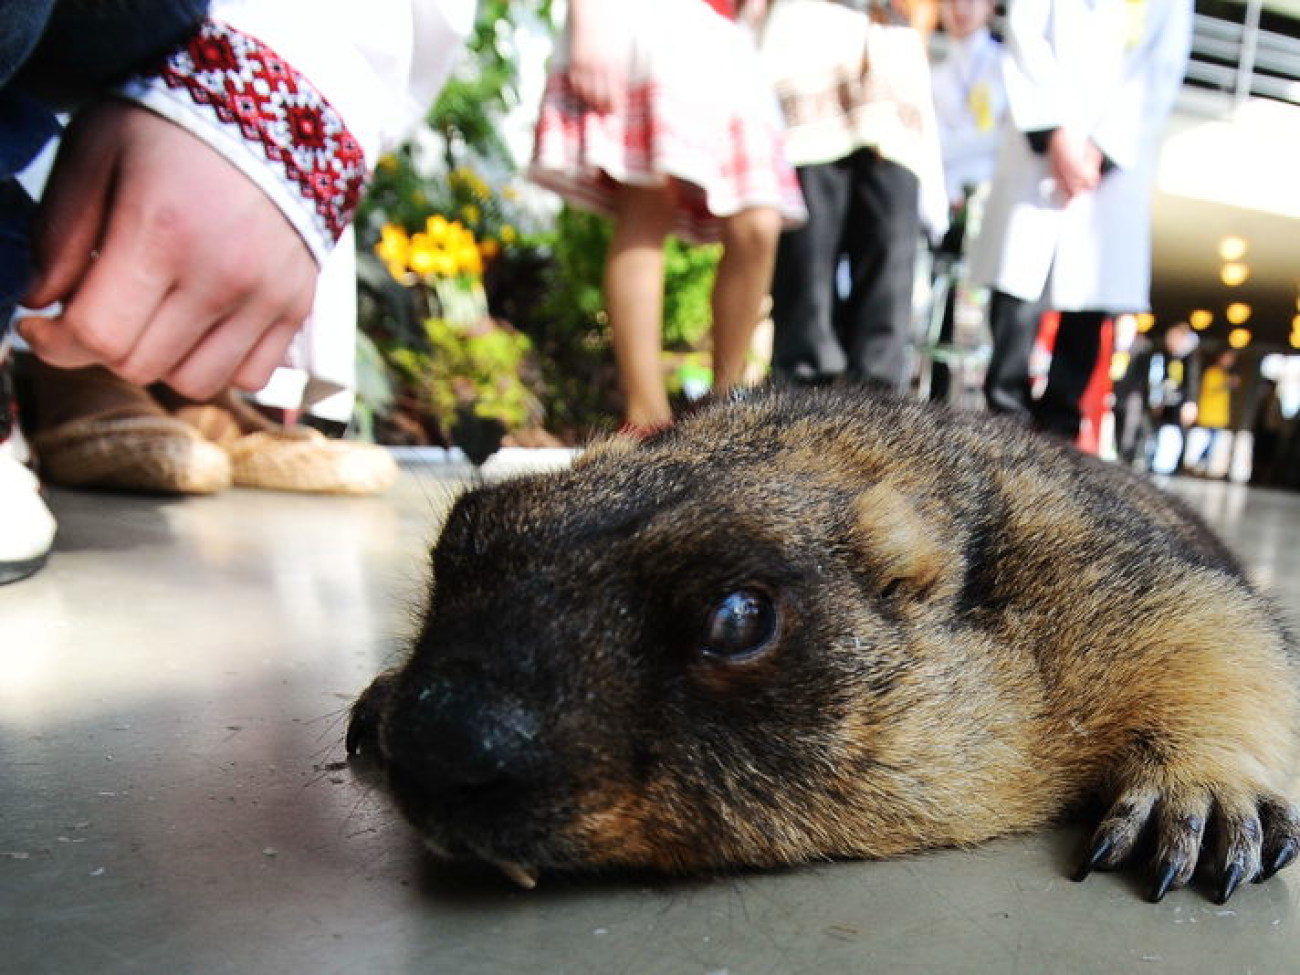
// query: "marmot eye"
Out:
[741,625]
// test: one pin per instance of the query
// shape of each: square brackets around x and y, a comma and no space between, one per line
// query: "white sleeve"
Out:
[1036,89]
[380,63]
[303,95]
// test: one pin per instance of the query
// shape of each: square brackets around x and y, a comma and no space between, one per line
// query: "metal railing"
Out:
[1242,59]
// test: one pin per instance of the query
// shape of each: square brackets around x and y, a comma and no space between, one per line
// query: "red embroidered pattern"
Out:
[246,85]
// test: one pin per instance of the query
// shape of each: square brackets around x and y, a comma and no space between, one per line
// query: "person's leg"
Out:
[634,298]
[804,346]
[1074,356]
[743,279]
[882,231]
[1013,323]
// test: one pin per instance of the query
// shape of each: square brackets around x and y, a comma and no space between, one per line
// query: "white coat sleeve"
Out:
[303,95]
[1037,90]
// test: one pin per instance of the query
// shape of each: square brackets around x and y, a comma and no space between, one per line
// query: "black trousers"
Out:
[861,209]
[1014,325]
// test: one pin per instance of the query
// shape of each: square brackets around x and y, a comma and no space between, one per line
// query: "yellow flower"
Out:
[444,265]
[436,227]
[394,249]
[458,236]
[387,162]
[471,213]
[469,259]
[425,255]
[509,193]
[508,234]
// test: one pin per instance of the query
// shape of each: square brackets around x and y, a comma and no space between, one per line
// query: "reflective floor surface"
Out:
[173,797]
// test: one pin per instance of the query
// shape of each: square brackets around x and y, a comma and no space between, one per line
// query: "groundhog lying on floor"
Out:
[813,625]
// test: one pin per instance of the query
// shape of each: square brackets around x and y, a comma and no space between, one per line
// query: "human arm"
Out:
[210,206]
[170,263]
[1039,99]
[595,75]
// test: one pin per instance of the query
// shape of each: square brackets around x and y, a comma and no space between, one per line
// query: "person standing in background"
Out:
[1089,85]
[970,104]
[1173,381]
[854,85]
[1219,381]
[660,117]
[970,101]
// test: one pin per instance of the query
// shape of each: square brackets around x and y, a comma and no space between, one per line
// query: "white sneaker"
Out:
[26,525]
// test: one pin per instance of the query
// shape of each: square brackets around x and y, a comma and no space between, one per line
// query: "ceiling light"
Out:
[1145,321]
[1238,312]
[1232,248]
[1239,338]
[1234,273]
[1202,319]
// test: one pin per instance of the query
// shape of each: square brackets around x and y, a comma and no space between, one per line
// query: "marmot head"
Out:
[666,657]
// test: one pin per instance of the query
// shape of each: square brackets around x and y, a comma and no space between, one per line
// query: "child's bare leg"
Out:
[634,298]
[744,277]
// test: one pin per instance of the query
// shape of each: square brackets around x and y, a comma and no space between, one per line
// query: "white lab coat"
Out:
[1105,68]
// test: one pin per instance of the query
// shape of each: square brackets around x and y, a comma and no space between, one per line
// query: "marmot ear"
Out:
[900,547]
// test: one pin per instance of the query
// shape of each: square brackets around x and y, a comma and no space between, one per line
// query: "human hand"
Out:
[751,14]
[597,77]
[170,263]
[1074,162]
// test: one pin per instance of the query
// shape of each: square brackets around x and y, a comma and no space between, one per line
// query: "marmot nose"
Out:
[459,733]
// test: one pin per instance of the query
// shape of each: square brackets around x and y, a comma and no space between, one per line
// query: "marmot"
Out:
[828,624]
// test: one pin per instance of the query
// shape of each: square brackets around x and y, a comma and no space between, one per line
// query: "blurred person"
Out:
[1131,393]
[660,117]
[1172,383]
[1219,381]
[854,85]
[1089,86]
[969,99]
[215,153]
[1269,427]
[970,105]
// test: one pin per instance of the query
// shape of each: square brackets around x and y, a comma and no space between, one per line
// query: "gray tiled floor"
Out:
[172,696]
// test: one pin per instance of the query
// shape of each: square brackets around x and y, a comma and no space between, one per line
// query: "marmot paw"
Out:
[1237,837]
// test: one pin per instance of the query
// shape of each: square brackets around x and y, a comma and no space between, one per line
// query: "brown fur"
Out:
[973,632]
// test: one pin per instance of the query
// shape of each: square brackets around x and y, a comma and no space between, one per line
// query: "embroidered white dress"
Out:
[699,110]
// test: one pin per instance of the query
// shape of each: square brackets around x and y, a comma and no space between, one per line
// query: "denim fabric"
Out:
[24,25]
[25,126]
[51,56]
[92,43]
